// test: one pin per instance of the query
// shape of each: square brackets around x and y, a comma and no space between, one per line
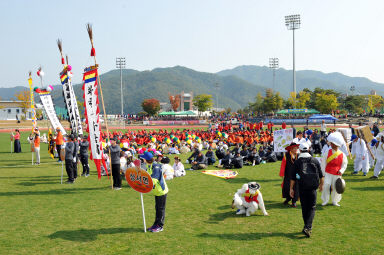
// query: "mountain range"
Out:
[237,86]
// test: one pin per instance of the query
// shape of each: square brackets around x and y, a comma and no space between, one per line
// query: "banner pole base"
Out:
[142,208]
[62,171]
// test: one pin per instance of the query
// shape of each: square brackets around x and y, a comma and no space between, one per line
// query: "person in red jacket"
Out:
[284,125]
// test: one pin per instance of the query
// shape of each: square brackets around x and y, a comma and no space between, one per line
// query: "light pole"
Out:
[217,86]
[120,64]
[293,22]
[273,64]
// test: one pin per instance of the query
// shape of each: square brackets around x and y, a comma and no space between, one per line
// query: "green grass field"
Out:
[41,216]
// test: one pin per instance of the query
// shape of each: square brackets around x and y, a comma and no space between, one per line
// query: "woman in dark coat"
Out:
[16,138]
[290,157]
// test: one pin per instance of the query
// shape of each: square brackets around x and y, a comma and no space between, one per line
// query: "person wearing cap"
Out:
[360,151]
[290,158]
[307,172]
[379,157]
[84,147]
[69,151]
[333,165]
[160,190]
[114,150]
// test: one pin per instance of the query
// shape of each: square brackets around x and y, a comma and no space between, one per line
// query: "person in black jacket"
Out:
[290,158]
[75,157]
[226,162]
[237,161]
[114,149]
[210,156]
[316,144]
[193,155]
[69,150]
[307,172]
[270,155]
[200,162]
[236,149]
[254,157]
[84,146]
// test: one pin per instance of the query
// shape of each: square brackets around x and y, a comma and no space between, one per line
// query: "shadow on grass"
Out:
[253,236]
[376,188]
[38,183]
[88,235]
[217,217]
[28,178]
[75,190]
[246,180]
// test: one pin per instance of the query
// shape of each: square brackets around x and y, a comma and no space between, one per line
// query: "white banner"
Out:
[92,113]
[46,100]
[281,139]
[71,103]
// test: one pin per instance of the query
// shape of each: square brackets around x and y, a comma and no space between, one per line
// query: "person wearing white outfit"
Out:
[300,139]
[379,158]
[178,167]
[333,165]
[372,147]
[360,151]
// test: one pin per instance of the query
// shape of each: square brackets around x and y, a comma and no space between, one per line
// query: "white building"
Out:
[11,110]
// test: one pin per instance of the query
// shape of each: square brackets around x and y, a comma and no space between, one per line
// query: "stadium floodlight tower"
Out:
[273,64]
[293,22]
[120,64]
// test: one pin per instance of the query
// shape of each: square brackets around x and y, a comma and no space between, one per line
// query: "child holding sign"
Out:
[160,190]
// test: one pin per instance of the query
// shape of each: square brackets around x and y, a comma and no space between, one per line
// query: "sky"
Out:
[206,35]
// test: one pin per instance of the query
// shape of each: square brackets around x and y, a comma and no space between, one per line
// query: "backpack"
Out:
[308,171]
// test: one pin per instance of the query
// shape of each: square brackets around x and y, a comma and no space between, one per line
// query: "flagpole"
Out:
[90,33]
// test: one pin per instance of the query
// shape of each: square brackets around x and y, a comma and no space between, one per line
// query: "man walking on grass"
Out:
[307,172]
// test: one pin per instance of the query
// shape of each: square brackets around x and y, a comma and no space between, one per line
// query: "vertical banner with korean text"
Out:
[71,102]
[46,100]
[91,104]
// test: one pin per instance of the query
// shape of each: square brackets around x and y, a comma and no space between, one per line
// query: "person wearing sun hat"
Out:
[287,164]
[333,164]
[160,190]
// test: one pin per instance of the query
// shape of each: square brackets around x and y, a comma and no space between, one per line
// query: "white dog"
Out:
[248,199]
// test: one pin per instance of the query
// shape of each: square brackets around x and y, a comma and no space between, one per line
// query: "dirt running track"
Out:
[8,130]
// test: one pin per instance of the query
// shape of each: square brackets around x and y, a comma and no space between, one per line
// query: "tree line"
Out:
[323,100]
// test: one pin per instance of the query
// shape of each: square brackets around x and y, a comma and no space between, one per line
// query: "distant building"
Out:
[164,107]
[186,103]
[11,110]
[373,92]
